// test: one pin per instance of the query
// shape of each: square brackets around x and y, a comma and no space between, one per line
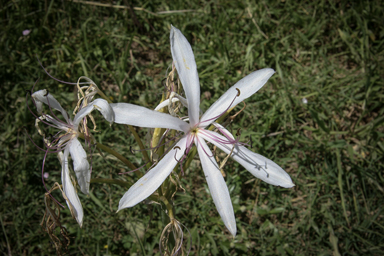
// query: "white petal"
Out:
[165,103]
[99,104]
[80,165]
[260,166]
[43,96]
[60,124]
[73,201]
[247,87]
[184,61]
[130,114]
[175,97]
[152,180]
[217,186]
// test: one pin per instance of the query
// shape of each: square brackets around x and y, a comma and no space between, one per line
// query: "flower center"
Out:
[194,130]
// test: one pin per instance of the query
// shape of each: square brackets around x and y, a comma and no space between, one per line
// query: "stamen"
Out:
[54,77]
[41,149]
[238,133]
[164,82]
[181,160]
[216,117]
[260,167]
[34,85]
[198,141]
[238,92]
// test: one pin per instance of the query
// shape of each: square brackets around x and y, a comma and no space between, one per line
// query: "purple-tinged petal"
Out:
[58,123]
[80,165]
[152,180]
[130,114]
[246,87]
[184,61]
[260,166]
[72,199]
[217,186]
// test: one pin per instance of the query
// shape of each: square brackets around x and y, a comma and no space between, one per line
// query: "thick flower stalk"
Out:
[196,133]
[66,142]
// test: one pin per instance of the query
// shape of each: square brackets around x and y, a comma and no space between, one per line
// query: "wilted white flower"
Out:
[65,142]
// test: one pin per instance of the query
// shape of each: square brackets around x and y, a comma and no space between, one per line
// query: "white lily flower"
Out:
[195,132]
[66,141]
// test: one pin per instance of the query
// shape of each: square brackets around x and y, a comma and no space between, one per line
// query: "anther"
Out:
[238,92]
[177,147]
[45,95]
[260,167]
[164,82]
[238,133]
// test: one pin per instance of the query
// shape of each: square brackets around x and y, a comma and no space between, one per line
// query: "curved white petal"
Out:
[165,103]
[184,61]
[130,114]
[175,97]
[247,87]
[43,96]
[152,180]
[99,104]
[73,200]
[260,166]
[217,186]
[80,165]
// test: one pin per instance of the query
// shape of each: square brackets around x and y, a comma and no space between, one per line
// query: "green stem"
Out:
[112,152]
[169,207]
[141,145]
[111,181]
[117,155]
[104,96]
[131,129]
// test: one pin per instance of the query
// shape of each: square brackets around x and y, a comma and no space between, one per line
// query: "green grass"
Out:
[330,53]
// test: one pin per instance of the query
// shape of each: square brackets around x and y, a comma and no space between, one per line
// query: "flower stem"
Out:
[104,96]
[141,145]
[132,130]
[117,155]
[111,181]
[112,152]
[169,207]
